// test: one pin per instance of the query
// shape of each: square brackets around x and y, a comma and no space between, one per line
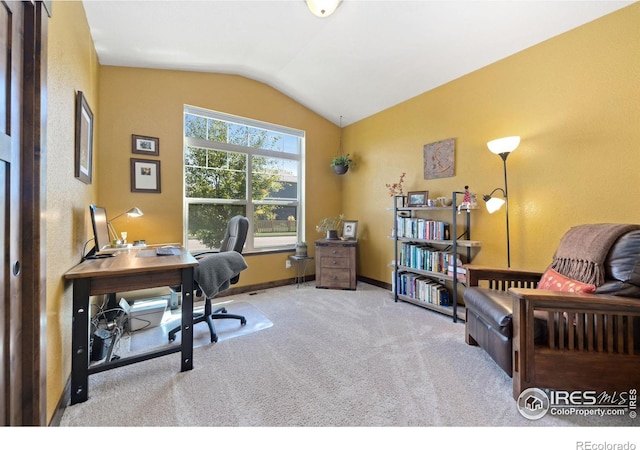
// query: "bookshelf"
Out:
[431,245]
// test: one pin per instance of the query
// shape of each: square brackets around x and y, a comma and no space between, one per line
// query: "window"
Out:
[234,165]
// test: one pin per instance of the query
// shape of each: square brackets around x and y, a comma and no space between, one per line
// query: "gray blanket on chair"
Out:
[215,271]
[583,250]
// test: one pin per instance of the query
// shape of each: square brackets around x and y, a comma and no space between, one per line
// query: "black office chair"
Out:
[233,241]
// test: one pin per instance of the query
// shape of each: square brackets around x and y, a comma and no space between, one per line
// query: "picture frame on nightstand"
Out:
[349,229]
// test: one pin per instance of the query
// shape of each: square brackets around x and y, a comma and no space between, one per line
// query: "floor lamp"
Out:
[502,147]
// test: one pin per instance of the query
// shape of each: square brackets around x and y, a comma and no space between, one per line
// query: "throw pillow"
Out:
[554,281]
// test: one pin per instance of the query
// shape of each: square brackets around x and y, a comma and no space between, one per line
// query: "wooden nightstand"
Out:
[336,264]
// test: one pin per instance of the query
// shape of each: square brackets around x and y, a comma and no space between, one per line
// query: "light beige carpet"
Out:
[142,340]
[331,359]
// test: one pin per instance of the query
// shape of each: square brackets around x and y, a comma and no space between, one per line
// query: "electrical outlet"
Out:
[287,264]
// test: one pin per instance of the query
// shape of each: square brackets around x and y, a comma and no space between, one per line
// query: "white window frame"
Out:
[250,151]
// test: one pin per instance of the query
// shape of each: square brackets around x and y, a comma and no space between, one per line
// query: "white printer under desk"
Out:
[145,314]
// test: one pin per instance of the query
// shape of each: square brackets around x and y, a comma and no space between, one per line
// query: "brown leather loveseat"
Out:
[563,338]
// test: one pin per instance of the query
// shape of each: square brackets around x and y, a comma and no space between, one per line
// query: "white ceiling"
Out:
[368,56]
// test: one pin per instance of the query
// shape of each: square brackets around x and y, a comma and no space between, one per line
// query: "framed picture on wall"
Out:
[145,175]
[439,159]
[84,139]
[145,145]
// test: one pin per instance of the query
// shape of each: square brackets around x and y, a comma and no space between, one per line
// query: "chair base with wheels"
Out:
[208,316]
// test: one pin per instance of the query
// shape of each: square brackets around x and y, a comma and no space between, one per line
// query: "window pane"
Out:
[195,126]
[238,134]
[275,225]
[291,144]
[272,140]
[216,130]
[274,179]
[266,140]
[215,174]
[208,224]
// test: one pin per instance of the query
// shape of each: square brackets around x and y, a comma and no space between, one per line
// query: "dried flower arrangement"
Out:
[396,188]
[330,224]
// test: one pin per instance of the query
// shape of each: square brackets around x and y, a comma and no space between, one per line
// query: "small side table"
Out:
[300,263]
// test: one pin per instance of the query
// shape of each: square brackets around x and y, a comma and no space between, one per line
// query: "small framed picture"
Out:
[349,229]
[145,175]
[145,145]
[417,198]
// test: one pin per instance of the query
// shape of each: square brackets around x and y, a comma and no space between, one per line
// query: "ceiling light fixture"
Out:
[322,8]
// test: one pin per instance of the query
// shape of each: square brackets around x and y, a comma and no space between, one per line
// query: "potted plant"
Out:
[341,163]
[301,249]
[330,226]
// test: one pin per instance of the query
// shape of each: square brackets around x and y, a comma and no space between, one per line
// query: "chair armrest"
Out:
[590,340]
[576,302]
[501,279]
[202,254]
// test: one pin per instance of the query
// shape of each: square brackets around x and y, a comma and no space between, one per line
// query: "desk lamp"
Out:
[133,212]
[502,147]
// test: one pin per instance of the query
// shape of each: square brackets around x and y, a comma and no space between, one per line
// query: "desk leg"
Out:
[80,341]
[187,319]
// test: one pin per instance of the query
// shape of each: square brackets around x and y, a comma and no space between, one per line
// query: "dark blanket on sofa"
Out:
[583,250]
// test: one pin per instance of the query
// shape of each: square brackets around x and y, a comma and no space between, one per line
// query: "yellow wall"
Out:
[574,100]
[72,67]
[150,103]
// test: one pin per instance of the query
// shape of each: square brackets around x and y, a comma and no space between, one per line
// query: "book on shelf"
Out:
[422,288]
[417,228]
[460,272]
[424,257]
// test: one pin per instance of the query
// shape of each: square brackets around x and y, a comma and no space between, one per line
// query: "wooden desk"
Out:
[127,271]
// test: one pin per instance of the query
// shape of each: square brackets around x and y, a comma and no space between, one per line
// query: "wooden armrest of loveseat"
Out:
[501,279]
[593,341]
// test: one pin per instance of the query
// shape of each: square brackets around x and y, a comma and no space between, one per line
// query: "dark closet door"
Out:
[22,301]
[11,26]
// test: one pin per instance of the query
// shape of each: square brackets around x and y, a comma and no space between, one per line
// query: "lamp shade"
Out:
[135,212]
[494,204]
[322,8]
[504,145]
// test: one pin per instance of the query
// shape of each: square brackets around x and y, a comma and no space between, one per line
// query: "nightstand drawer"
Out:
[340,252]
[335,278]
[333,262]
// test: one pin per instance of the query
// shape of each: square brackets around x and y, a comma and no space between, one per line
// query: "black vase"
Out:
[340,169]
[332,235]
